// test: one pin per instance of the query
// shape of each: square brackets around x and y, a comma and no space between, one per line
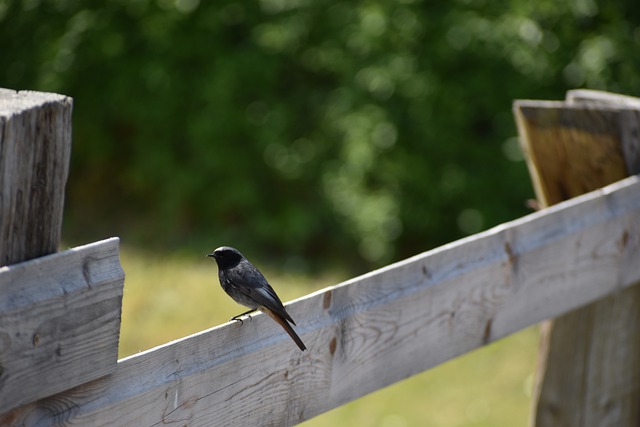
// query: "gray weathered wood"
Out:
[59,322]
[373,330]
[35,145]
[589,360]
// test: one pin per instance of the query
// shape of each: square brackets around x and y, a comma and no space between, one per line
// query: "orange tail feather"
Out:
[287,327]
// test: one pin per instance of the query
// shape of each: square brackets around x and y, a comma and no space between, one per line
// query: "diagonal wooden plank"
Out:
[59,322]
[373,330]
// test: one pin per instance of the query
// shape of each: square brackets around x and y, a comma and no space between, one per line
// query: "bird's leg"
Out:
[238,317]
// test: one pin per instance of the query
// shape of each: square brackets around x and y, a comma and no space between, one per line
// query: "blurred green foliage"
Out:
[360,131]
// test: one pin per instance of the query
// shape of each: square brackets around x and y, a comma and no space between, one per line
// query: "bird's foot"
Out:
[238,318]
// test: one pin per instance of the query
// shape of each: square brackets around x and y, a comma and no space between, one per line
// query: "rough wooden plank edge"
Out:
[373,330]
[549,114]
[59,322]
[597,97]
[16,102]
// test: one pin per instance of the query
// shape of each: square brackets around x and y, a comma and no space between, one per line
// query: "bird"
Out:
[247,286]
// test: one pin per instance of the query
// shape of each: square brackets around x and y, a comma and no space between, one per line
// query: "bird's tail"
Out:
[286,326]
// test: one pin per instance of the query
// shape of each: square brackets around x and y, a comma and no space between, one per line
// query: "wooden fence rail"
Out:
[60,322]
[362,335]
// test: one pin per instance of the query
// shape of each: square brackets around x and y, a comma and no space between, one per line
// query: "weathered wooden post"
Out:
[589,360]
[35,147]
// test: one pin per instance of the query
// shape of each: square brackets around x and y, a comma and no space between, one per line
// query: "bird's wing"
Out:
[254,285]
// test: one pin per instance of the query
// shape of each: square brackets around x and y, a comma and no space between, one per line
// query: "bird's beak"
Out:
[211,255]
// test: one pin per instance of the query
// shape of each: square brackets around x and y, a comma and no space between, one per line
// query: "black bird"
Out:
[247,286]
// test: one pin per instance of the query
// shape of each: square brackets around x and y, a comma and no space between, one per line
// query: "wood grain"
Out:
[570,150]
[59,322]
[35,145]
[589,359]
[373,330]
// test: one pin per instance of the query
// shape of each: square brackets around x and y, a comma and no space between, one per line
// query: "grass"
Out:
[173,295]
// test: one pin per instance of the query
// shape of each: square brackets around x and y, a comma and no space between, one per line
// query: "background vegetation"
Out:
[309,131]
[323,138]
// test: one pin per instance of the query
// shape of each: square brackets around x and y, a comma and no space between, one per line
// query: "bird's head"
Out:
[226,256]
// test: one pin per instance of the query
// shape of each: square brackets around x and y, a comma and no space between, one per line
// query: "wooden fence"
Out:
[60,312]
